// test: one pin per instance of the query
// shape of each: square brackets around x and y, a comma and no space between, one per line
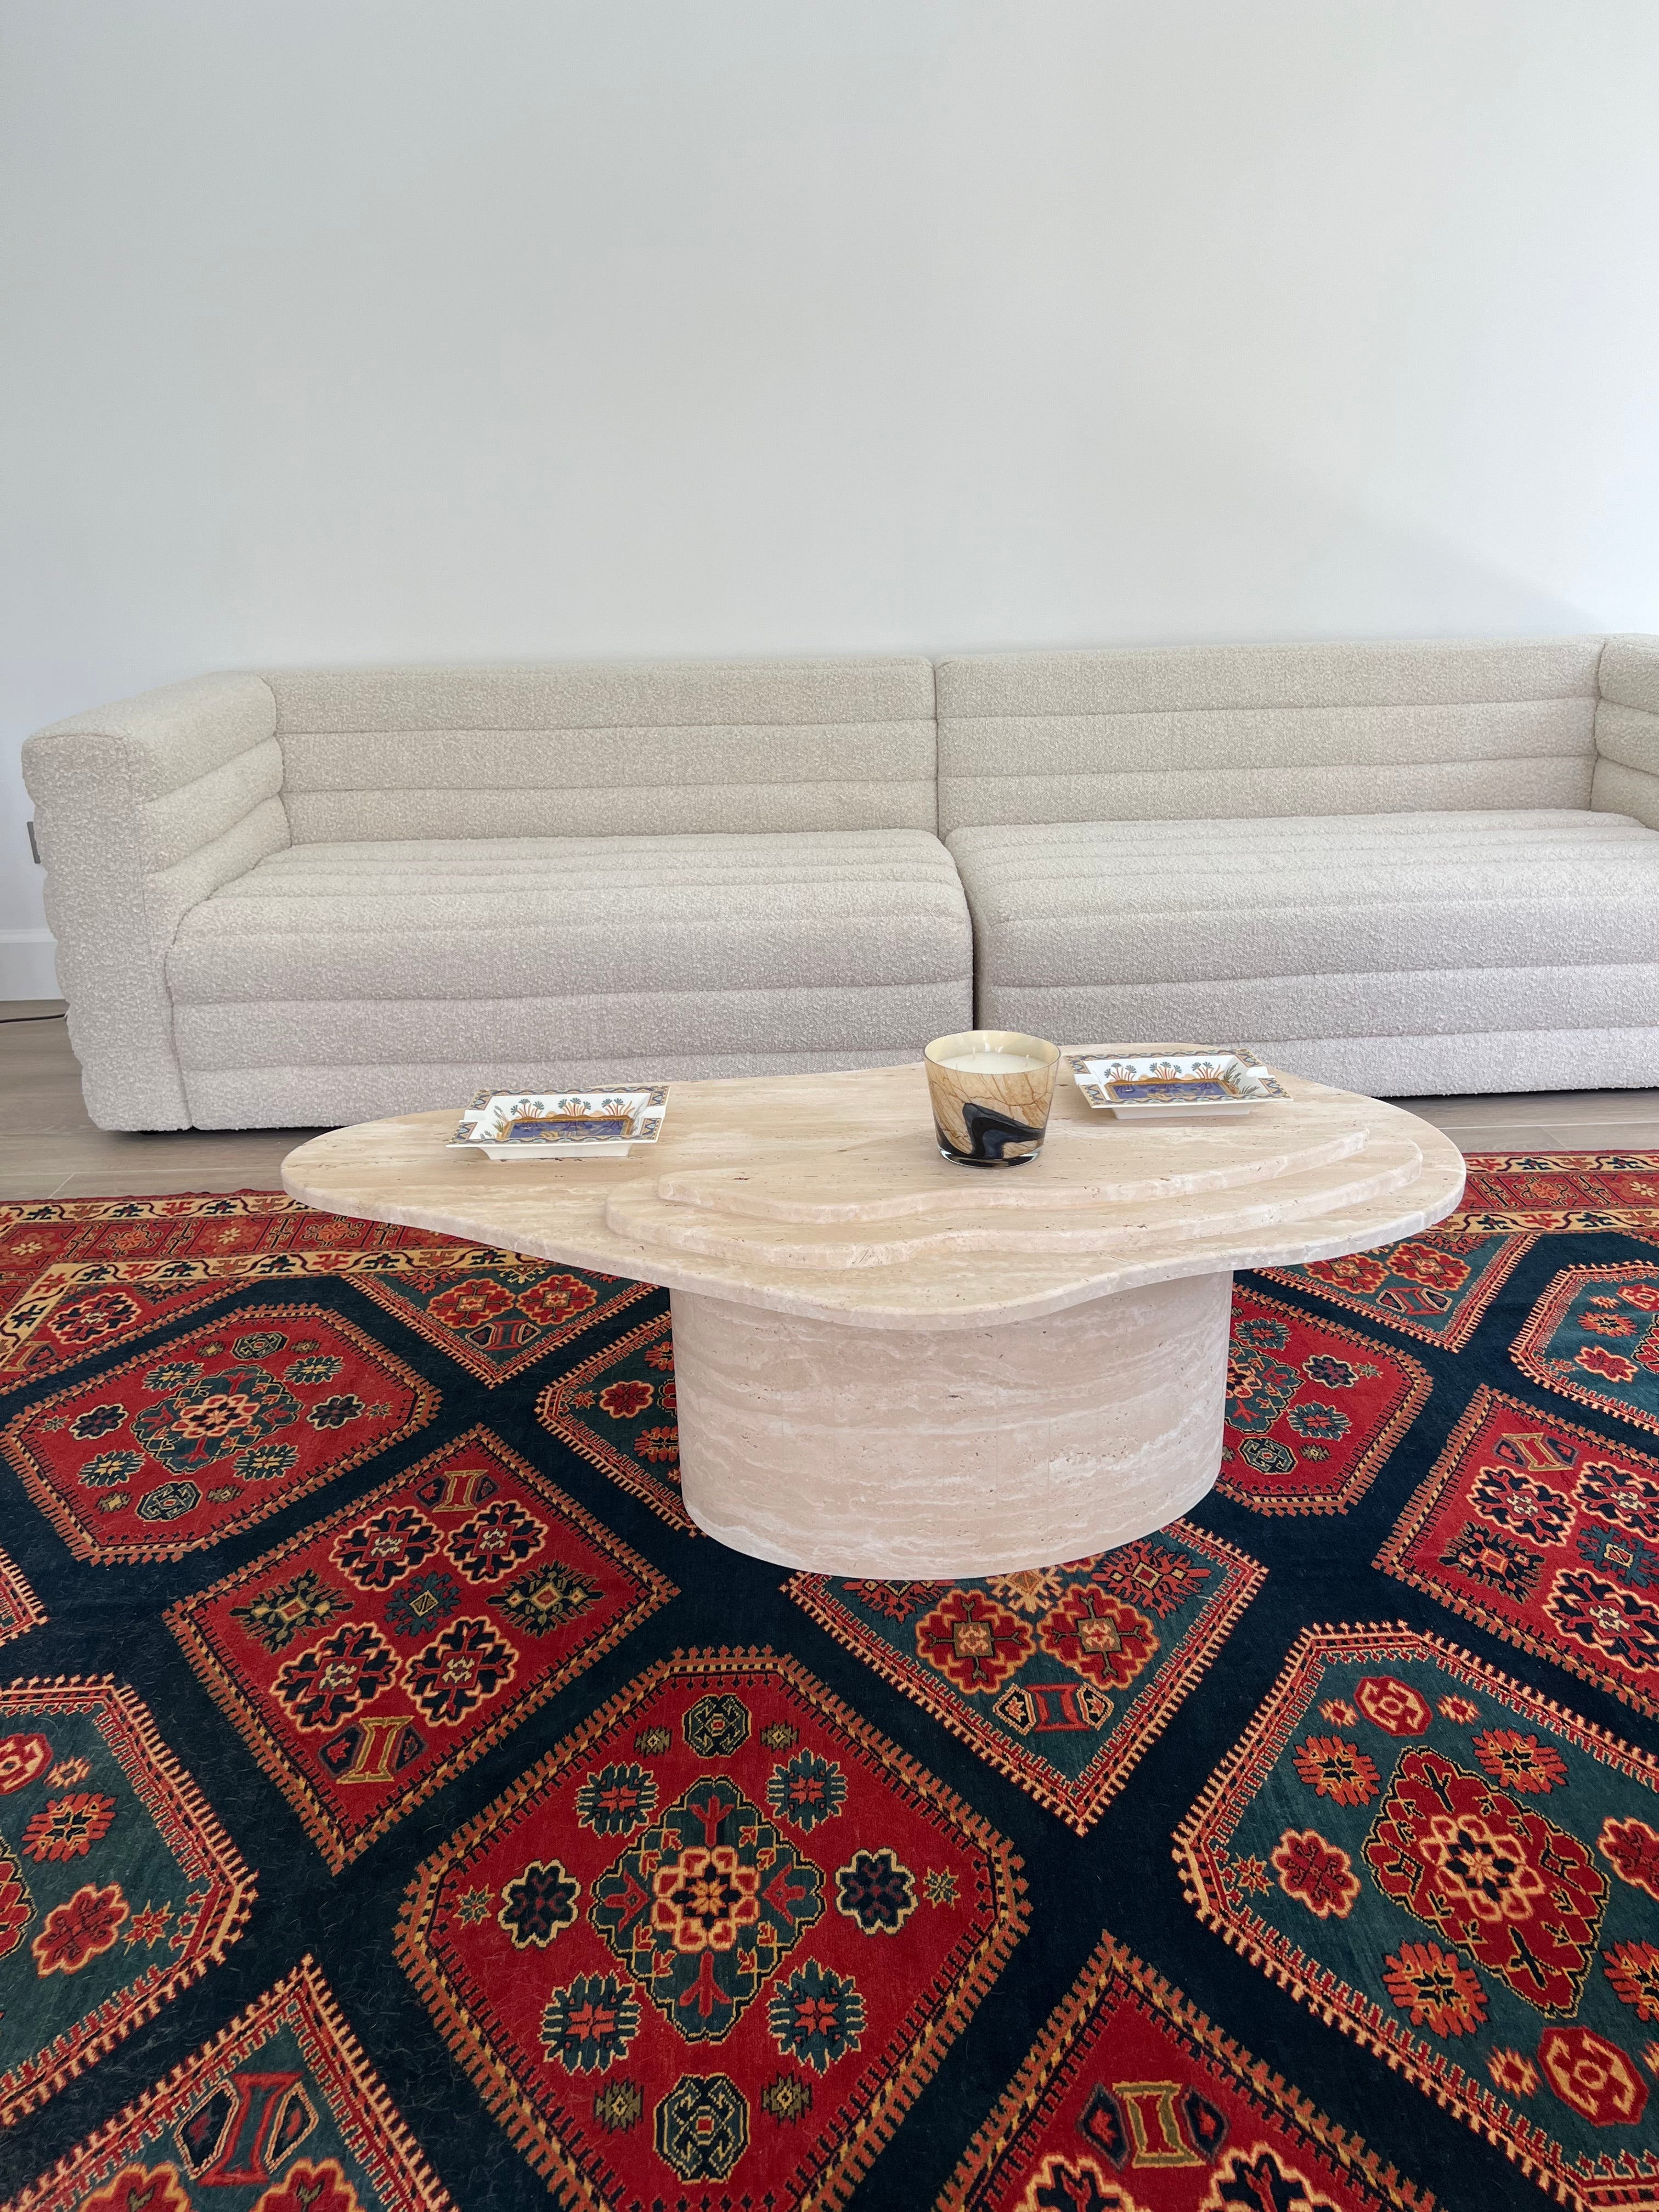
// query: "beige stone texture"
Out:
[889,1363]
[934,1453]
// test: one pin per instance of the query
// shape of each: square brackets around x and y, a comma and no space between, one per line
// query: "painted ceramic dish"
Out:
[533,1124]
[1168,1086]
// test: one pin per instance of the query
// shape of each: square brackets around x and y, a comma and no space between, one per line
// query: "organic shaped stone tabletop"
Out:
[888,1364]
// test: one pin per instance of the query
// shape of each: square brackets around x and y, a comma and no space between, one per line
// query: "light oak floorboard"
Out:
[1510,1137]
[157,1186]
[1550,1106]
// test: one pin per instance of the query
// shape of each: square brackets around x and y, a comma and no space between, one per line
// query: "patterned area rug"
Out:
[402,1805]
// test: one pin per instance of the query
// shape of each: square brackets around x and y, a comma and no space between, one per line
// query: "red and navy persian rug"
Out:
[402,1805]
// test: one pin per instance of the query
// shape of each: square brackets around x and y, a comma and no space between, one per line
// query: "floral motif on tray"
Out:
[209,1432]
[1594,1337]
[1313,1410]
[1462,1877]
[1130,2099]
[118,1887]
[618,1410]
[715,1942]
[1060,1677]
[281,2106]
[381,1651]
[1548,1535]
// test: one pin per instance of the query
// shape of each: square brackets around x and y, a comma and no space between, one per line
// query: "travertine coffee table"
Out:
[888,1364]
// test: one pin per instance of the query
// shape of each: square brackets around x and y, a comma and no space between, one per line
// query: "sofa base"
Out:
[1489,1063]
[331,1098]
[1492,1062]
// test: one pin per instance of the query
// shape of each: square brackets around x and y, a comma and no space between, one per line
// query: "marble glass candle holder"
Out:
[991,1089]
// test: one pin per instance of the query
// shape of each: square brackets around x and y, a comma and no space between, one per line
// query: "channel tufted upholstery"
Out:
[415,971]
[1241,731]
[318,896]
[324,896]
[1403,868]
[1395,953]
[592,752]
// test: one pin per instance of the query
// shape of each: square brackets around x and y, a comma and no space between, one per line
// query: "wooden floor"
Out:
[49,1148]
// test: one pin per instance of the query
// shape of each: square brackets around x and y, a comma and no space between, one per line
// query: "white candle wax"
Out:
[994,1063]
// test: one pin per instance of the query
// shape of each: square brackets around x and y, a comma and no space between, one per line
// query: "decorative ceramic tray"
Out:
[533,1124]
[1168,1086]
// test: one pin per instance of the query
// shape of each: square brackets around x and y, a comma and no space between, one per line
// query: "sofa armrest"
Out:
[1627,731]
[141,810]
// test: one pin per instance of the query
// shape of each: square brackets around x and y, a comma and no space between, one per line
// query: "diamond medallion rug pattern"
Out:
[170,1451]
[1594,1336]
[499,1314]
[81,1278]
[281,2111]
[118,1887]
[404,1807]
[1060,1677]
[1312,1410]
[1130,2101]
[616,1409]
[1548,1535]
[379,1651]
[724,1933]
[1435,1287]
[1463,1876]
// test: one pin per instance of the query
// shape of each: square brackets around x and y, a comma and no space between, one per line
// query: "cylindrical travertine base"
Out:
[932,1453]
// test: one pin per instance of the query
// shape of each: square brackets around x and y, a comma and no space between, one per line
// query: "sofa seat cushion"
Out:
[547,952]
[1313,928]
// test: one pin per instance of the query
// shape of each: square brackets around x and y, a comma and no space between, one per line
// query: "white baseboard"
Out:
[27,969]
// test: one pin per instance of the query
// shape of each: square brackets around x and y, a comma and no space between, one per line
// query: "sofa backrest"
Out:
[601,748]
[1205,731]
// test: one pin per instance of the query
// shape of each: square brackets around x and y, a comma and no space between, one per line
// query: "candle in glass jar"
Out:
[994,1063]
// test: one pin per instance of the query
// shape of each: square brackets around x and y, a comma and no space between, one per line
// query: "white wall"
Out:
[364,330]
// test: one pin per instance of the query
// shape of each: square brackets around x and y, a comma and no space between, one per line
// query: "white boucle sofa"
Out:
[1403,869]
[316,896]
[307,898]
